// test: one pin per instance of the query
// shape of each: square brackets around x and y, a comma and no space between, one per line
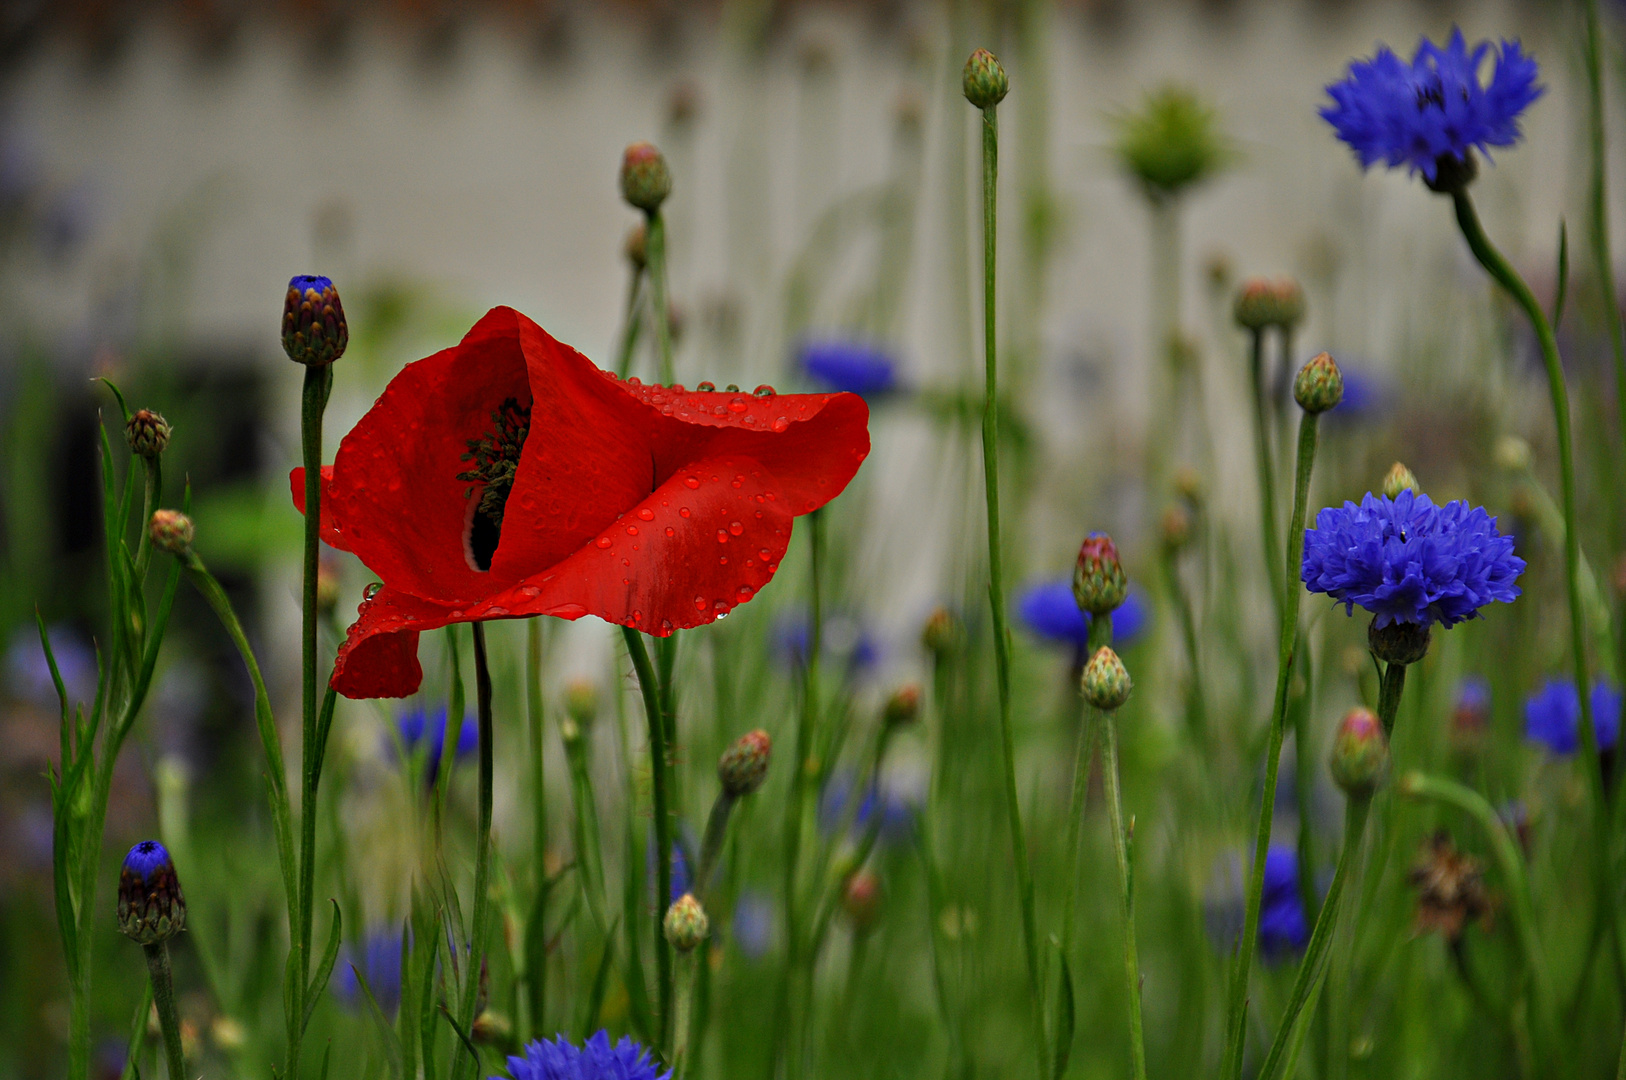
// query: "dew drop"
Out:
[773,568]
[780,423]
[683,511]
[603,542]
[666,626]
[722,560]
[745,593]
[764,554]
[530,590]
[647,514]
[706,386]
[633,380]
[567,611]
[671,531]
[735,528]
[738,405]
[718,410]
[700,603]
[763,391]
[496,610]
[722,536]
[691,482]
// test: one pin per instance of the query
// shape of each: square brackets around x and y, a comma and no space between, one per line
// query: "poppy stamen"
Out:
[495,455]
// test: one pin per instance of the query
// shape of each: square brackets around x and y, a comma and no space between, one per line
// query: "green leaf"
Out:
[392,1044]
[1563,274]
[324,969]
[138,1033]
[468,1044]
[123,408]
[1065,1019]
[601,980]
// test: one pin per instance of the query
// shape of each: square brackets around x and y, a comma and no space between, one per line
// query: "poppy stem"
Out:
[318,385]
[657,293]
[632,322]
[1263,462]
[467,1065]
[1288,592]
[996,585]
[537,962]
[649,688]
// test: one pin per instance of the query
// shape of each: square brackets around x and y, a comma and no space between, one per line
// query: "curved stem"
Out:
[1237,1010]
[467,1065]
[1311,968]
[1126,891]
[648,687]
[1505,276]
[163,997]
[996,586]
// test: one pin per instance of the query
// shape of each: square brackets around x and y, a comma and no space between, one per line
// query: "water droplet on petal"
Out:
[780,423]
[738,405]
[764,554]
[647,514]
[603,542]
[722,536]
[722,560]
[632,530]
[691,482]
[567,611]
[700,603]
[372,590]
[671,531]
[496,611]
[735,528]
[530,590]
[683,511]
[666,626]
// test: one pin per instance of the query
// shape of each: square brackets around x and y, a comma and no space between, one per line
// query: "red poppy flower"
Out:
[652,507]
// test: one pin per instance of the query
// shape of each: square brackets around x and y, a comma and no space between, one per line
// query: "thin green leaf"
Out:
[324,969]
[1065,1019]
[138,1033]
[601,982]
[327,1054]
[124,409]
[392,1045]
[1563,273]
[468,1044]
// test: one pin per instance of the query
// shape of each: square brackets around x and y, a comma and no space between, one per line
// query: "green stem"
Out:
[1598,216]
[1099,636]
[1504,274]
[1263,458]
[1196,699]
[1310,968]
[467,1064]
[648,686]
[151,496]
[631,324]
[688,971]
[996,587]
[163,996]
[711,847]
[537,974]
[1126,892]
[656,257]
[1237,1010]
[1389,693]
[1505,849]
[590,859]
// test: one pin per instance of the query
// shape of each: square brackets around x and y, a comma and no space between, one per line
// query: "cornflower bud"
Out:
[1176,527]
[151,907]
[1360,753]
[1512,454]
[1398,479]
[171,531]
[1099,582]
[1399,642]
[646,180]
[491,1028]
[985,82]
[861,899]
[147,433]
[313,328]
[903,705]
[743,766]
[1266,302]
[1106,682]
[686,925]
[637,246]
[581,701]
[1320,385]
[943,633]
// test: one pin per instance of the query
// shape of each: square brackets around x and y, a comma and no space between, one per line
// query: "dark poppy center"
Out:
[495,461]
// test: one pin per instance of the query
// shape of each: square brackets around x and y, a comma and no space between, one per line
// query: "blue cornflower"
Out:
[1407,560]
[1283,928]
[597,1059]
[896,819]
[849,365]
[379,961]
[1434,108]
[754,916]
[1552,715]
[428,729]
[845,641]
[1049,610]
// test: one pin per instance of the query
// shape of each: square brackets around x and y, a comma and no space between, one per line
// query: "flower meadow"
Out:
[1300,763]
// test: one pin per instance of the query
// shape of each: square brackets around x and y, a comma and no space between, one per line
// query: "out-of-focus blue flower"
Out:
[1473,695]
[1283,929]
[682,842]
[1435,107]
[428,729]
[1049,611]
[754,916]
[849,365]
[111,1057]
[1552,715]
[844,641]
[29,675]
[1365,394]
[596,1059]
[379,961]
[896,818]
[1407,560]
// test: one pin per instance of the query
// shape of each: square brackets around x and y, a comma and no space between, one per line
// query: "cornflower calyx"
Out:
[1398,479]
[646,180]
[943,633]
[744,765]
[1450,889]
[147,433]
[1099,581]
[1360,753]
[171,531]
[495,455]
[1106,682]
[1172,143]
[686,925]
[1263,302]
[151,906]
[984,80]
[1319,386]
[314,331]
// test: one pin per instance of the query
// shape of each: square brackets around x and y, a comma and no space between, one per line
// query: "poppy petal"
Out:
[331,536]
[379,657]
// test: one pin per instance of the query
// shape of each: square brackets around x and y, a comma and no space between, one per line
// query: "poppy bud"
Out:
[1106,682]
[147,433]
[151,907]
[985,82]
[1266,302]
[1360,753]
[1320,385]
[861,899]
[903,706]
[1399,642]
[637,246]
[1398,479]
[1099,582]
[686,925]
[313,328]
[943,634]
[581,701]
[645,179]
[742,767]
[171,531]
